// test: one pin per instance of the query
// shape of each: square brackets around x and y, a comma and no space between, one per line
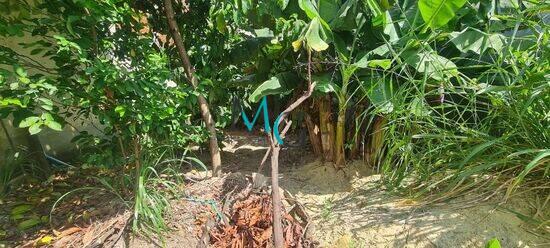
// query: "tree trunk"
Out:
[276,196]
[326,128]
[37,153]
[204,108]
[8,137]
[314,135]
[278,238]
[376,142]
[340,159]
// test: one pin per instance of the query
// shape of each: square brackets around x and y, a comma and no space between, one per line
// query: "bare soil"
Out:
[346,208]
[350,208]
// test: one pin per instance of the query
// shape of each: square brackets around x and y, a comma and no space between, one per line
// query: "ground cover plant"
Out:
[444,99]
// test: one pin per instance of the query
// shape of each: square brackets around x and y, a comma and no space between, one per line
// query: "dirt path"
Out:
[350,209]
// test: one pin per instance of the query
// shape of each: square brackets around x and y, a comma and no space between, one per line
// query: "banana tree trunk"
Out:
[203,104]
[314,135]
[340,155]
[327,128]
[376,142]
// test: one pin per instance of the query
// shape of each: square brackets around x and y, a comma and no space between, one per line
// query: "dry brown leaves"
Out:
[102,233]
[251,226]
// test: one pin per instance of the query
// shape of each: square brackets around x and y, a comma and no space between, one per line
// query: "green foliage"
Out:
[493,243]
[443,92]
[471,39]
[278,84]
[437,13]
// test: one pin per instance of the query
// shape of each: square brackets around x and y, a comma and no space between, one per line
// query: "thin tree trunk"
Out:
[204,108]
[327,128]
[8,137]
[37,152]
[278,238]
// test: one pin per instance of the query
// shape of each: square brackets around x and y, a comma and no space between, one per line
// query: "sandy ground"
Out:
[350,209]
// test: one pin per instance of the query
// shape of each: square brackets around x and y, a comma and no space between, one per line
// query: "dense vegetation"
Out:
[442,97]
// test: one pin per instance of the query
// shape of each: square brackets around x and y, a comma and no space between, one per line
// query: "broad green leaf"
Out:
[380,93]
[437,13]
[35,128]
[310,8]
[493,243]
[390,29]
[323,83]
[345,18]
[328,9]
[471,39]
[278,84]
[379,17]
[429,62]
[313,37]
[27,122]
[365,63]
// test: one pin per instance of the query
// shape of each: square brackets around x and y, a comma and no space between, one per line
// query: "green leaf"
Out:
[20,209]
[278,84]
[328,9]
[11,101]
[345,18]
[471,39]
[437,13]
[54,125]
[365,63]
[121,110]
[263,33]
[282,4]
[46,101]
[70,21]
[47,107]
[429,62]
[530,166]
[323,83]
[313,37]
[35,128]
[379,17]
[220,23]
[380,93]
[20,71]
[493,243]
[310,8]
[24,225]
[29,121]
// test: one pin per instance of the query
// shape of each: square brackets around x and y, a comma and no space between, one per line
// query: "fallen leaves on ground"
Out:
[251,226]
